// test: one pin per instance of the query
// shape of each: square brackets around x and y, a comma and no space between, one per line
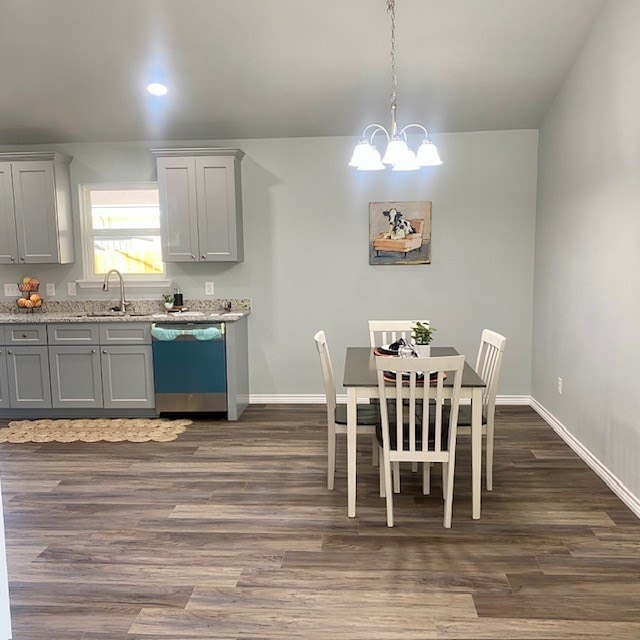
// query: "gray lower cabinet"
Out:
[101,365]
[76,380]
[127,376]
[28,373]
[4,381]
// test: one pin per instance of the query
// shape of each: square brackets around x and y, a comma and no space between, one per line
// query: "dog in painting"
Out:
[399,228]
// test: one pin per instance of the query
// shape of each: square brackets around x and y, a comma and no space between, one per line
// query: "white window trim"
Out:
[138,281]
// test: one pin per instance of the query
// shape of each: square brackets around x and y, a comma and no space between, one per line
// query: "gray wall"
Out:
[587,271]
[306,246]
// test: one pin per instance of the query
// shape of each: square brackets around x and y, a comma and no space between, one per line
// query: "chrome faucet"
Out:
[105,287]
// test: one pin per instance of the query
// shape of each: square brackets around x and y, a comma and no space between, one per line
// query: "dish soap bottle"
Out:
[177,297]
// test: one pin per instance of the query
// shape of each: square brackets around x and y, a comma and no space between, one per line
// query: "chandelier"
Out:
[398,155]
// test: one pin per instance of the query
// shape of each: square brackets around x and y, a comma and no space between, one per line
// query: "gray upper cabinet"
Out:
[35,208]
[200,204]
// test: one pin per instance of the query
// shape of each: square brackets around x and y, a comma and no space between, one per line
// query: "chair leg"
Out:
[381,473]
[489,454]
[448,469]
[444,480]
[388,488]
[396,477]
[375,461]
[331,458]
[426,478]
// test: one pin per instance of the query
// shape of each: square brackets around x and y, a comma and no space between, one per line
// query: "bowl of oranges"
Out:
[30,299]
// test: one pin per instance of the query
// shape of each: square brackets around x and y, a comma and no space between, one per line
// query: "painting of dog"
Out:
[400,233]
[399,228]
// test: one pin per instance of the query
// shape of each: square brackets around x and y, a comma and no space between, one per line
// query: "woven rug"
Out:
[94,430]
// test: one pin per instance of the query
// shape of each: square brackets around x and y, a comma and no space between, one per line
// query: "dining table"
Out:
[361,383]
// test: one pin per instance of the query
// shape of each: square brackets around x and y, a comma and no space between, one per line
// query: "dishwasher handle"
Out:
[166,335]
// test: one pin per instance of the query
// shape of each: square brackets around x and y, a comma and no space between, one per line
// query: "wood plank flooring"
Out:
[229,533]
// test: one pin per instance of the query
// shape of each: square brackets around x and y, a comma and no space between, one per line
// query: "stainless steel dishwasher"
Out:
[189,367]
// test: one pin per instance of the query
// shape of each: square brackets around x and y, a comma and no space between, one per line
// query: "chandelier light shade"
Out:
[398,155]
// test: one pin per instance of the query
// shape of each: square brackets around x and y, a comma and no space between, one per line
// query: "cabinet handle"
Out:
[93,350]
[193,257]
[203,257]
[22,258]
[12,259]
[104,351]
[10,353]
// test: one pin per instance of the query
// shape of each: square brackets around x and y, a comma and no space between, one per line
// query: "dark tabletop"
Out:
[360,368]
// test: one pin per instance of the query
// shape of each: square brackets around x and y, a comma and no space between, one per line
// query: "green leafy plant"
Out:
[168,297]
[422,334]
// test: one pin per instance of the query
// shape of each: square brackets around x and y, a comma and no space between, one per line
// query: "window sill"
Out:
[130,282]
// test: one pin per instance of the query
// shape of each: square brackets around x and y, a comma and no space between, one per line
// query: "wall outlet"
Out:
[208,288]
[560,386]
[51,289]
[11,290]
[72,290]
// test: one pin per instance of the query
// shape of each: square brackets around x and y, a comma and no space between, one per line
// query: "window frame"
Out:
[90,278]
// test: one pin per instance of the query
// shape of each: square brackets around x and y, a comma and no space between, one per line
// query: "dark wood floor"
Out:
[229,533]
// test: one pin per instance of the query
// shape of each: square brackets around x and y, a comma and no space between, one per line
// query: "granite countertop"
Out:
[187,316]
[140,311]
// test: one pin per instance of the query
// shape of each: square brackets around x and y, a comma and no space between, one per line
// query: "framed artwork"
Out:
[400,232]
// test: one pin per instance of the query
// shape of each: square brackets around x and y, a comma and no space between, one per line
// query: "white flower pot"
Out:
[423,350]
[168,305]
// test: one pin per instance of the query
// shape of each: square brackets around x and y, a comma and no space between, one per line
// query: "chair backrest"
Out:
[383,332]
[488,366]
[426,437]
[327,372]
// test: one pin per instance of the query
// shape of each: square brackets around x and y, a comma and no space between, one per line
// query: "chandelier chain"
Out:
[391,10]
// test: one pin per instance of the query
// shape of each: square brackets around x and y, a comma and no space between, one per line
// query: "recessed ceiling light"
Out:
[157,89]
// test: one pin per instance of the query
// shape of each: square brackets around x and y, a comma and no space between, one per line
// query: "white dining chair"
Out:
[367,415]
[413,435]
[488,366]
[384,332]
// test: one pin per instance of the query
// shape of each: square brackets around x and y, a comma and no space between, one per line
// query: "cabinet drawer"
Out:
[27,334]
[2,335]
[73,333]
[125,333]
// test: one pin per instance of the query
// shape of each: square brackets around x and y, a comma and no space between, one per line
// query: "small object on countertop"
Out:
[177,298]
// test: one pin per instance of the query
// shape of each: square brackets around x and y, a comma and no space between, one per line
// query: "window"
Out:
[122,230]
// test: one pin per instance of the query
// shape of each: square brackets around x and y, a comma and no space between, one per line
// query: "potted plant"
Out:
[168,301]
[422,335]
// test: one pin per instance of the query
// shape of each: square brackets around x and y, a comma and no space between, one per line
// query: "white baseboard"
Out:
[611,480]
[342,399]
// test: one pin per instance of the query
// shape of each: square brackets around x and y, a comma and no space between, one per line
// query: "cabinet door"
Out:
[35,206]
[28,370]
[4,381]
[75,376]
[8,242]
[219,214]
[178,217]
[127,377]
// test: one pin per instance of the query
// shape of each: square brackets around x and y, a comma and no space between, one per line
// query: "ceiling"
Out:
[75,70]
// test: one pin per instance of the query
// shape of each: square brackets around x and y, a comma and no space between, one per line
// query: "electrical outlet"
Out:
[72,290]
[560,386]
[11,290]
[208,288]
[51,289]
